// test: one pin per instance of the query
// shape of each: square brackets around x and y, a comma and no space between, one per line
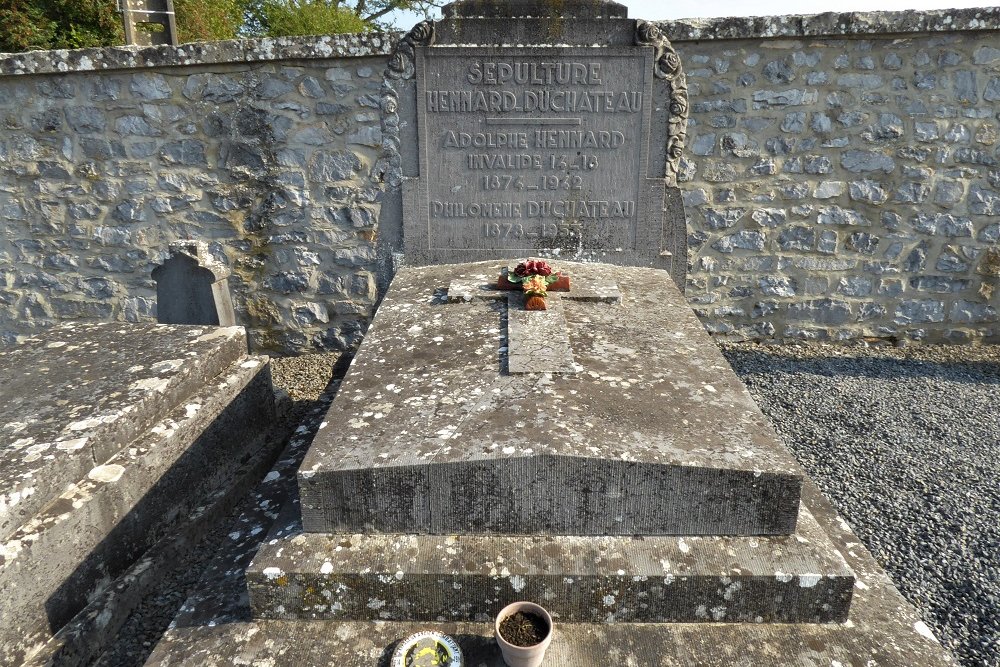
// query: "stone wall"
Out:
[839,188]
[842,178]
[262,148]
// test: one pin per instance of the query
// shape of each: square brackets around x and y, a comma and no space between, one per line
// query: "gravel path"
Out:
[904,441]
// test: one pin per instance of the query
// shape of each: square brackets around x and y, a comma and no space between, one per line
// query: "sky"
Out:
[677,9]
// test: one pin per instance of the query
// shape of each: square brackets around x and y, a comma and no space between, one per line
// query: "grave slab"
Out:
[653,434]
[785,579]
[215,628]
[77,394]
[203,432]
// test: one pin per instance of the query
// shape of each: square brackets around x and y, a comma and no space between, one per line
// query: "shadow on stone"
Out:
[193,288]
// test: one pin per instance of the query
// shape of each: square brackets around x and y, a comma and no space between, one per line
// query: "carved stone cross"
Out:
[537,340]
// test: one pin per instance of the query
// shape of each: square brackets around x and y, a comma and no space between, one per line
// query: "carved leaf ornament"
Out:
[667,65]
[401,66]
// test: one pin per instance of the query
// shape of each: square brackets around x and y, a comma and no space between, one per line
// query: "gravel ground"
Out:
[903,441]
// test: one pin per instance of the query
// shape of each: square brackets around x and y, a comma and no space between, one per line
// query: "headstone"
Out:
[192,287]
[111,437]
[566,148]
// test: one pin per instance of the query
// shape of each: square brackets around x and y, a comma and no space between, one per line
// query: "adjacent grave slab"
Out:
[77,394]
[202,424]
[214,626]
[652,435]
[786,579]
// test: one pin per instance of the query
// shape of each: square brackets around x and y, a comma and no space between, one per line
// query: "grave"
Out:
[600,457]
[114,438]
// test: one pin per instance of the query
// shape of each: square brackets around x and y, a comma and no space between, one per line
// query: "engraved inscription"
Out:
[527,150]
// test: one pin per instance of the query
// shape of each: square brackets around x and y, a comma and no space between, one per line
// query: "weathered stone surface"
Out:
[858,161]
[142,164]
[537,341]
[111,435]
[97,626]
[336,166]
[787,579]
[214,624]
[907,171]
[69,552]
[578,9]
[71,401]
[919,117]
[609,199]
[475,455]
[920,311]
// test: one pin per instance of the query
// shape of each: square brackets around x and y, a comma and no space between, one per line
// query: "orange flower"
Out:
[535,286]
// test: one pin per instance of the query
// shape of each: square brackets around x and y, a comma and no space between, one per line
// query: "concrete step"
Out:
[884,642]
[73,396]
[71,550]
[801,578]
[215,625]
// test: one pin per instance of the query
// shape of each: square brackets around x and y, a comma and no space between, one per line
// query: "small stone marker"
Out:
[537,340]
[192,287]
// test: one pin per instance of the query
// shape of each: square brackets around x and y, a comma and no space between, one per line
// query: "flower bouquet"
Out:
[535,278]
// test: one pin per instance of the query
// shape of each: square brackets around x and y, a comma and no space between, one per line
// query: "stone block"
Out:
[983,201]
[788,579]
[70,551]
[216,623]
[821,311]
[968,312]
[137,427]
[442,464]
[835,215]
[128,387]
[919,311]
[743,240]
[860,161]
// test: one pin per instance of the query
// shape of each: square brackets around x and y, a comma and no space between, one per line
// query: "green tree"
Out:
[302,17]
[59,24]
[206,20]
[276,18]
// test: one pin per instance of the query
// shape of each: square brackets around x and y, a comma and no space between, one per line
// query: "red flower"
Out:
[533,268]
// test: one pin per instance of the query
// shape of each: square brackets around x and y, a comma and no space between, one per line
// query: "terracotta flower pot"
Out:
[523,656]
[534,303]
